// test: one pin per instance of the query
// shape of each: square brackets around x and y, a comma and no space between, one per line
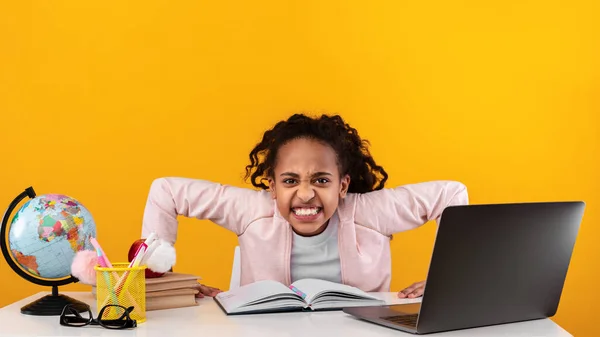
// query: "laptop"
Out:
[491,264]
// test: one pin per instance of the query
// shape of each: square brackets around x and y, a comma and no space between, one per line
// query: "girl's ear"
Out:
[345,183]
[272,188]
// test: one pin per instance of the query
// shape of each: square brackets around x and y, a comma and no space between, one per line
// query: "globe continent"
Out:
[46,233]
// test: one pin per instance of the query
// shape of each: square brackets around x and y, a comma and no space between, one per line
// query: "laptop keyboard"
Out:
[410,320]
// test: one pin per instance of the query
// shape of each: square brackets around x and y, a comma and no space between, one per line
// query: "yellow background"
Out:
[97,98]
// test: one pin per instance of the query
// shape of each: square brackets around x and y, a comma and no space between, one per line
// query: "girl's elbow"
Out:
[461,194]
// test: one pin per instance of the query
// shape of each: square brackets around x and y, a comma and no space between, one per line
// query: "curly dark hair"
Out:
[353,155]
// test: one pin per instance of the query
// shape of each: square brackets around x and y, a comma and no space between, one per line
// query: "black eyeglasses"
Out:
[70,316]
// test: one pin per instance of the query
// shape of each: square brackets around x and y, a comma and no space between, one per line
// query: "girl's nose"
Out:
[305,192]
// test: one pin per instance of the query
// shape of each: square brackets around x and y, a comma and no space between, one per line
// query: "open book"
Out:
[307,294]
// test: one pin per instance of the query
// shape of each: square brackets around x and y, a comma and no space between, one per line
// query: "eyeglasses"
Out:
[70,316]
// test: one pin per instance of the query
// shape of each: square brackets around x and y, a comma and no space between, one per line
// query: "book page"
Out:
[314,289]
[257,293]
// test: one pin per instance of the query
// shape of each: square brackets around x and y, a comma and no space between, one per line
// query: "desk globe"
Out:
[42,240]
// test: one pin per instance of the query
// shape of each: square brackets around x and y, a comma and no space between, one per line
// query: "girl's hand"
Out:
[415,290]
[206,291]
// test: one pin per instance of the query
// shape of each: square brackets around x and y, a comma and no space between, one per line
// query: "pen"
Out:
[124,281]
[149,251]
[103,263]
[298,292]
[139,254]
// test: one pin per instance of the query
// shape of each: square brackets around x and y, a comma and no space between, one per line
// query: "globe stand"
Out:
[52,305]
[49,305]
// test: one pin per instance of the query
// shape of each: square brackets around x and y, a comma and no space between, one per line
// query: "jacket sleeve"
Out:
[230,207]
[406,207]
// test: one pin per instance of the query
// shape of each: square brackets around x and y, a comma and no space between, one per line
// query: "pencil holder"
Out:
[121,285]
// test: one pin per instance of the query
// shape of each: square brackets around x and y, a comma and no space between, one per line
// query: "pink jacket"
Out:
[367,222]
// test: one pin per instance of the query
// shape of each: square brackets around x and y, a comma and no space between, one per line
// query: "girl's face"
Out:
[306,185]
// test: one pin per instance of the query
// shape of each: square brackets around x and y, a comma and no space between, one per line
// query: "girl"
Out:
[321,211]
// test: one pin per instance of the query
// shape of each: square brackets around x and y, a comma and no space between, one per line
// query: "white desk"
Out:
[207,319]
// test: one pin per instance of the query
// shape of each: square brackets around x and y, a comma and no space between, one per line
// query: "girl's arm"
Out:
[406,207]
[228,206]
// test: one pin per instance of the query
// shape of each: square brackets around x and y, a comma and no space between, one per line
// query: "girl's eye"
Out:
[322,180]
[289,181]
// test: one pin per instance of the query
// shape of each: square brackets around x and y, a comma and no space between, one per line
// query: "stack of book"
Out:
[172,290]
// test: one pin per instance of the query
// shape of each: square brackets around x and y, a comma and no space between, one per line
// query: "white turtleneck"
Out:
[317,256]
